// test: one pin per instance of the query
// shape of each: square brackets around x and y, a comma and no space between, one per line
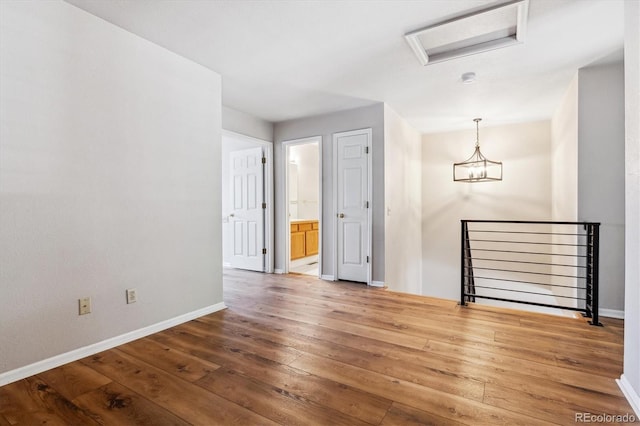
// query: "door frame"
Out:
[268,194]
[368,131]
[286,232]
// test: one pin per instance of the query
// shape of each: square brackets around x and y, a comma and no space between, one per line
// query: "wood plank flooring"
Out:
[294,350]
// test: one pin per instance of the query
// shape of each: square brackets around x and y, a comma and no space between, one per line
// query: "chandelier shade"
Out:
[477,168]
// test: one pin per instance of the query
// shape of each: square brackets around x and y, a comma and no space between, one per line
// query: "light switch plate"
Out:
[84,306]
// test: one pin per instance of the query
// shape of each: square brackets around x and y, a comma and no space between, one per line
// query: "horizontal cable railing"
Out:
[538,263]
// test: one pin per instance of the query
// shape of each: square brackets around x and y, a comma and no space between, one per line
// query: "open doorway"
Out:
[247,207]
[303,179]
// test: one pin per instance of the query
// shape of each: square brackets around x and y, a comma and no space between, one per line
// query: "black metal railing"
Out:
[538,263]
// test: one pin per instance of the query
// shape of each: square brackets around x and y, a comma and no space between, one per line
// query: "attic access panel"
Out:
[491,28]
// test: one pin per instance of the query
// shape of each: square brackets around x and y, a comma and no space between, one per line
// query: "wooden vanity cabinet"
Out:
[304,239]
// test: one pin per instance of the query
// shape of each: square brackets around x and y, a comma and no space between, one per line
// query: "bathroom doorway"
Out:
[303,171]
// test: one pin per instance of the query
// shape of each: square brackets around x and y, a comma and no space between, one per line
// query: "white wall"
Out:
[601,171]
[307,160]
[403,203]
[564,157]
[523,194]
[109,179]
[246,124]
[631,377]
[325,126]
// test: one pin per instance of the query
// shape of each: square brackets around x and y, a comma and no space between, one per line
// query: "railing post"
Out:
[471,279]
[467,280]
[595,259]
[588,308]
[463,225]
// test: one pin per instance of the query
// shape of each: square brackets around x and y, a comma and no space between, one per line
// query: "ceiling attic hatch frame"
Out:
[491,28]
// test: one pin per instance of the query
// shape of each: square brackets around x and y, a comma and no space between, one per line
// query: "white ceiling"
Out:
[287,59]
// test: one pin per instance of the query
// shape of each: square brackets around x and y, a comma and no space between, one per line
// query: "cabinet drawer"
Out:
[306,226]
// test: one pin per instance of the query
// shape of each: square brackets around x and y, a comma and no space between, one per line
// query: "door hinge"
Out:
[366,149]
[264,251]
[264,205]
[367,259]
[367,205]
[264,160]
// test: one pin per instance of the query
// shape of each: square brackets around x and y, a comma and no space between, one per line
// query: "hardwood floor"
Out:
[296,350]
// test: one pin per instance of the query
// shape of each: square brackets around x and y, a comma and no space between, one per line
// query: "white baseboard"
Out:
[327,277]
[611,313]
[76,354]
[629,393]
[226,264]
[278,271]
[377,284]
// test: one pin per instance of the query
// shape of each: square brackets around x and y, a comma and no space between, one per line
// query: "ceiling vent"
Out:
[491,28]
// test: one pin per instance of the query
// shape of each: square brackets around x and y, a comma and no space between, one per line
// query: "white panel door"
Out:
[247,216]
[352,204]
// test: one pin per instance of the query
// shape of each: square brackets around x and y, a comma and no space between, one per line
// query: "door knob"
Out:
[231,215]
[341,215]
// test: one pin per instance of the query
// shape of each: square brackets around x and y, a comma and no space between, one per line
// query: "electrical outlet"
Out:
[131,296]
[84,306]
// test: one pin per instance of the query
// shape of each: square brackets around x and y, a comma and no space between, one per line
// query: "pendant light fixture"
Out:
[477,168]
